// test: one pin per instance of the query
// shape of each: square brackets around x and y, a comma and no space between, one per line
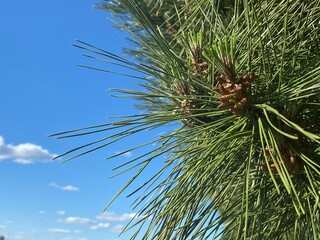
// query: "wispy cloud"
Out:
[17,236]
[126,154]
[61,212]
[24,153]
[64,188]
[109,221]
[117,228]
[113,217]
[75,220]
[161,134]
[100,226]
[58,230]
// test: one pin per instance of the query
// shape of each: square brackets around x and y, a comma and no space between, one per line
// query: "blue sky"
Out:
[42,91]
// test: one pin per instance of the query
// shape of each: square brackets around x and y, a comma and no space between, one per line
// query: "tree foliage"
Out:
[243,79]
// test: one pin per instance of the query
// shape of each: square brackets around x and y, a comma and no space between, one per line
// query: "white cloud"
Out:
[24,153]
[118,228]
[126,154]
[69,238]
[23,161]
[42,212]
[17,236]
[102,221]
[100,225]
[58,230]
[3,226]
[61,212]
[64,188]
[76,220]
[113,217]
[161,134]
[69,188]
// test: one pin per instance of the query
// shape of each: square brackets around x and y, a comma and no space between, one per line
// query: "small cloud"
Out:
[118,228]
[58,230]
[100,225]
[23,161]
[161,134]
[113,217]
[17,236]
[42,212]
[64,188]
[69,188]
[24,153]
[76,220]
[3,226]
[61,212]
[126,154]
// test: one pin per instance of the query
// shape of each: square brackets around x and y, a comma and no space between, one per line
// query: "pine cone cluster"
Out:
[234,94]
[198,64]
[200,70]
[290,161]
[186,105]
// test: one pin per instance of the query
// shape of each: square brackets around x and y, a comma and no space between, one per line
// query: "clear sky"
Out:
[42,91]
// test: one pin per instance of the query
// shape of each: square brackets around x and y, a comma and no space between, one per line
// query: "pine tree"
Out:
[243,79]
